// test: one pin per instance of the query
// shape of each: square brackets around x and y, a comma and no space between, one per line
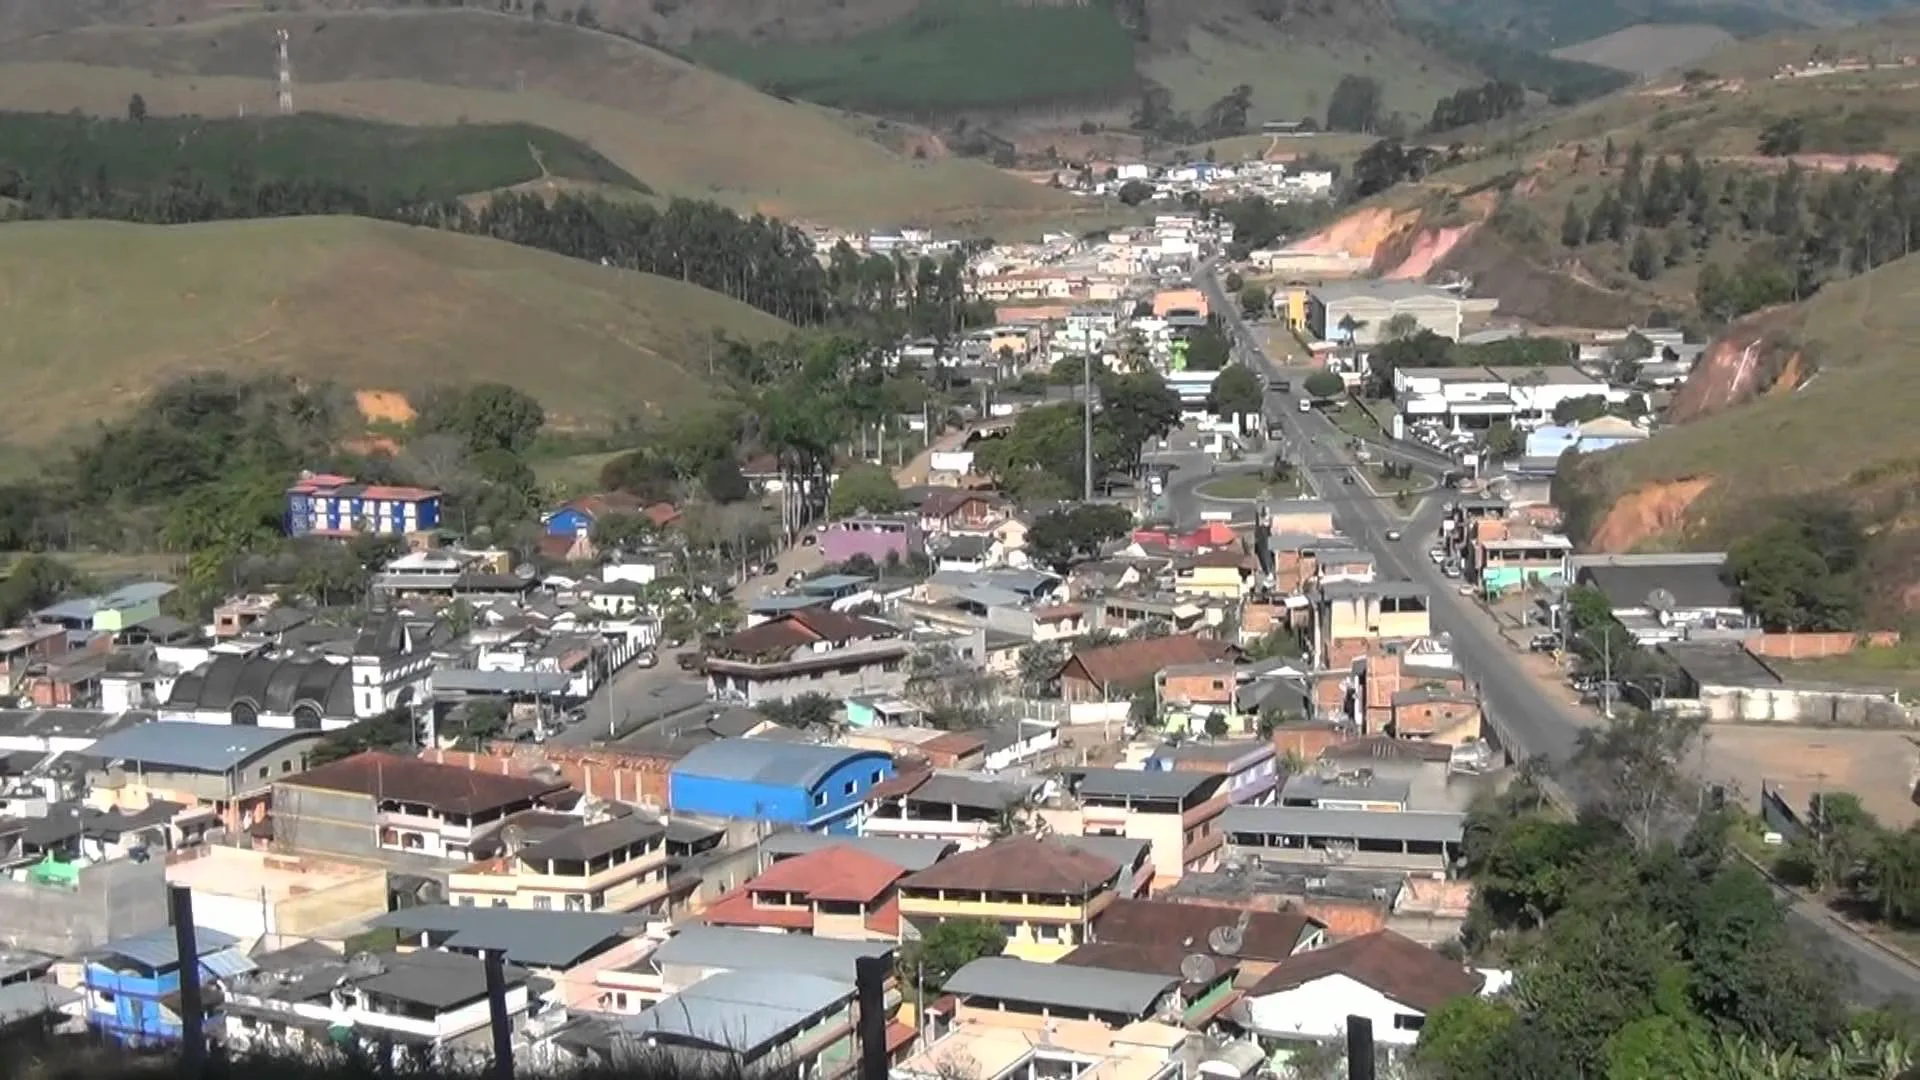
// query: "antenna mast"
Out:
[286,73]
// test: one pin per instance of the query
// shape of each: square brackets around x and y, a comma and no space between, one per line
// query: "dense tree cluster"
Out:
[1156,116]
[1260,223]
[1067,534]
[1356,104]
[1490,100]
[1043,454]
[1846,852]
[1799,230]
[1803,572]
[1389,162]
[1424,348]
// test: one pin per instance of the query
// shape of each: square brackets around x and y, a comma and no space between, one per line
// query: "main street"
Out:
[1532,722]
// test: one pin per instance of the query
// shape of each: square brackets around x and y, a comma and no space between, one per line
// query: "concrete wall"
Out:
[312,819]
[114,899]
[1816,646]
[1793,705]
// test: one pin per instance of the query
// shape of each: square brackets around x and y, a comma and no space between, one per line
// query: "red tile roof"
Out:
[804,627]
[841,873]
[1019,864]
[1402,969]
[449,789]
[1269,935]
[737,908]
[1139,661]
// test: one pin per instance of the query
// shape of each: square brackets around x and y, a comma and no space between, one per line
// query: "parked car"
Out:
[1451,569]
[688,660]
[646,659]
[1544,643]
[1437,555]
[1468,589]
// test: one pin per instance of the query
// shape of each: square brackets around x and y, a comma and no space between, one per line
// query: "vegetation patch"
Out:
[947,56]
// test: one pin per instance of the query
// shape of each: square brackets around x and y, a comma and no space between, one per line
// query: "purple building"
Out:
[874,537]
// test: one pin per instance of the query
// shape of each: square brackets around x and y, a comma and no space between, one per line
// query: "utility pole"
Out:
[1086,402]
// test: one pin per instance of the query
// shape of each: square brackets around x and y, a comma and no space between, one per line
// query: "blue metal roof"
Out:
[760,761]
[178,744]
[159,949]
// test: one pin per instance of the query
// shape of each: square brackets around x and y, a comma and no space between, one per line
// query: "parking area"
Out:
[1877,765]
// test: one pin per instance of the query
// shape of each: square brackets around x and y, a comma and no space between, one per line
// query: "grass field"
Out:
[682,129]
[948,55]
[1647,49]
[434,163]
[96,314]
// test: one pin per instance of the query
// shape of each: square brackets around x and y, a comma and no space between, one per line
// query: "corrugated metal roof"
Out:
[1145,783]
[198,747]
[1409,825]
[159,949]
[26,1000]
[758,761]
[730,949]
[227,963]
[909,852]
[536,938]
[740,1012]
[1129,993]
[470,681]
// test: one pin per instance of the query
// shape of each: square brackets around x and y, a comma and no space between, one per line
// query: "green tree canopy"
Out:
[946,947]
[1323,384]
[1236,391]
[864,488]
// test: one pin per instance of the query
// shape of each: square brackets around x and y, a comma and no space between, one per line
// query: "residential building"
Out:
[132,984]
[253,894]
[1044,893]
[960,511]
[555,862]
[1115,672]
[227,773]
[1009,989]
[877,537]
[968,808]
[322,504]
[1666,597]
[1250,765]
[696,953]
[577,517]
[819,788]
[1254,942]
[553,944]
[1371,610]
[1359,790]
[375,801]
[744,1021]
[1177,812]
[1447,715]
[109,613]
[987,1046]
[841,891]
[1368,305]
[1224,572]
[911,854]
[1392,981]
[1404,840]
[809,651]
[1205,991]
[1506,554]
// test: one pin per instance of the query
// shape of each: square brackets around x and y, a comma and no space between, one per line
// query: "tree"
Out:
[1644,261]
[1065,535]
[1573,227]
[1135,192]
[1255,301]
[1503,440]
[1802,572]
[723,481]
[867,489]
[946,947]
[1236,391]
[490,416]
[1399,328]
[1040,663]
[1323,385]
[137,109]
[1634,768]
[1216,726]
[1461,1037]
[1354,105]
[808,712]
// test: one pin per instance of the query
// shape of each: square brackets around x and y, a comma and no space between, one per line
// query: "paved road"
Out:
[1535,723]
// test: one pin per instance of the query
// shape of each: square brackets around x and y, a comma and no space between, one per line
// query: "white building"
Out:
[1391,980]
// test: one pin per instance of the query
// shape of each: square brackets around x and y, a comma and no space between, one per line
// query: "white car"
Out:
[1393,536]
[1438,556]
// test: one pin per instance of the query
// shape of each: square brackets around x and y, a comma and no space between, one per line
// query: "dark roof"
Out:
[1696,585]
[583,842]
[1179,784]
[1269,935]
[447,788]
[1019,864]
[806,626]
[1717,664]
[540,938]
[269,685]
[1145,958]
[1404,970]
[438,980]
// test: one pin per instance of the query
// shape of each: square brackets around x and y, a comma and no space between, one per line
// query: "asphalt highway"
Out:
[1532,722]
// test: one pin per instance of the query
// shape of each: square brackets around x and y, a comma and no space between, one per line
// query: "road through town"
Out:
[1530,721]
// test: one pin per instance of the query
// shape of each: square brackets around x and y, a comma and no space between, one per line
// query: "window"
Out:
[543,903]
[499,903]
[1408,1022]
[876,776]
[466,901]
[1047,932]
[263,772]
[849,787]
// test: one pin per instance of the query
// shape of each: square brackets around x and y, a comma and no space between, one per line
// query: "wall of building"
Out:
[336,822]
[114,899]
[1319,1010]
[604,774]
[1812,646]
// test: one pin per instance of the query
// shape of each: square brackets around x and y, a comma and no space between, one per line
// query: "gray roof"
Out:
[1717,664]
[833,583]
[160,949]
[438,980]
[1335,590]
[741,1012]
[1693,585]
[1129,993]
[1144,783]
[270,685]
[536,938]
[1307,786]
[27,1000]
[779,764]
[907,853]
[1406,825]
[730,949]
[972,790]
[583,842]
[65,723]
[967,546]
[500,682]
[1122,851]
[192,747]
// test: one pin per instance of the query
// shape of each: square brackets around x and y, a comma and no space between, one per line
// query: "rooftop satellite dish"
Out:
[1661,601]
[1226,940]
[1198,968]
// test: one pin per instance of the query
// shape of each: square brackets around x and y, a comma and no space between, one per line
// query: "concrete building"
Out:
[557,862]
[85,905]
[1371,304]
[1664,597]
[253,894]
[1044,893]
[132,984]
[1408,840]
[809,651]
[226,771]
[819,788]
[1177,812]
[374,802]
[1390,980]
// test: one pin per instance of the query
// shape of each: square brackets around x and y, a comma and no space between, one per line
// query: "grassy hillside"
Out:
[1552,24]
[368,305]
[1648,48]
[684,129]
[434,163]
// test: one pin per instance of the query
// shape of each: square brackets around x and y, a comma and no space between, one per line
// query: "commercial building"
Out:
[322,504]
[820,788]
[226,771]
[1371,304]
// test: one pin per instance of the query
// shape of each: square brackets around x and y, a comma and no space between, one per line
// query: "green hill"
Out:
[429,163]
[97,314]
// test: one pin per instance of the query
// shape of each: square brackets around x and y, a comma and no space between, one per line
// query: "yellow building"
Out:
[1223,573]
[1374,610]
[549,864]
[1044,894]
[1290,304]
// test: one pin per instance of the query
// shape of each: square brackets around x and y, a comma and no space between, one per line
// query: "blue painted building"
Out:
[820,788]
[132,984]
[326,505]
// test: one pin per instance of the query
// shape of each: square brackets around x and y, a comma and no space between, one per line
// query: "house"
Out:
[394,1007]
[1177,812]
[967,553]
[1205,990]
[1254,941]
[1303,517]
[1223,572]
[842,891]
[696,953]
[553,944]
[226,772]
[819,788]
[132,984]
[1043,892]
[446,574]
[1382,976]
[881,538]
[108,613]
[1448,715]
[810,651]
[554,862]
[1409,840]
[1250,766]
[742,1023]
[1010,988]
[1665,597]
[375,801]
[956,511]
[322,504]
[576,518]
[1507,554]
[1114,672]
[1370,610]
[965,807]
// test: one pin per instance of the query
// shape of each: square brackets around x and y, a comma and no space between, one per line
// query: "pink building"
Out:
[874,537]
